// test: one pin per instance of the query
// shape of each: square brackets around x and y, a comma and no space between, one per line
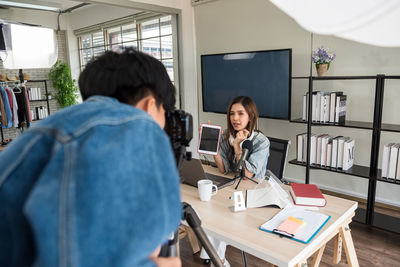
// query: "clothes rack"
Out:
[6,83]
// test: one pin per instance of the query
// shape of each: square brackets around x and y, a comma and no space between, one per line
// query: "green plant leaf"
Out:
[64,85]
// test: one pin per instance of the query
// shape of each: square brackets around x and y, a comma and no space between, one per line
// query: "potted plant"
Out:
[322,59]
[64,85]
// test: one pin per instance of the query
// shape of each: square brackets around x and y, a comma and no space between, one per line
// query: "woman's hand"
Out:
[240,136]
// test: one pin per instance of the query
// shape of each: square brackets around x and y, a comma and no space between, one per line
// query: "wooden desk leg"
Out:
[337,249]
[349,246]
[192,239]
[318,256]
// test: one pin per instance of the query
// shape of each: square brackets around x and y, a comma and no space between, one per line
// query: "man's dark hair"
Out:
[128,76]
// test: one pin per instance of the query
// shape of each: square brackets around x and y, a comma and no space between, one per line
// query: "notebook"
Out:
[192,171]
[313,222]
[307,194]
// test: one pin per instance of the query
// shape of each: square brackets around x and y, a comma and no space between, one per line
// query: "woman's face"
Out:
[239,117]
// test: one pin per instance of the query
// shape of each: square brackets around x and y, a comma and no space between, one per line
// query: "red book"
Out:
[307,194]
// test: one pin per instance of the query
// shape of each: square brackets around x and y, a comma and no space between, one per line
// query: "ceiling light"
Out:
[30,6]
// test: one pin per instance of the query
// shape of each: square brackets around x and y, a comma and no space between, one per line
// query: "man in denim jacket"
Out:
[95,184]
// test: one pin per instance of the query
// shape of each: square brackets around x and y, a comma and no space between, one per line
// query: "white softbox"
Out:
[374,22]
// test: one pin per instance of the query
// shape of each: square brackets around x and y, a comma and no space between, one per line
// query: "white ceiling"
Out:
[61,4]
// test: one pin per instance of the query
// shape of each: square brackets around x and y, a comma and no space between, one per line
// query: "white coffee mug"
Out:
[205,187]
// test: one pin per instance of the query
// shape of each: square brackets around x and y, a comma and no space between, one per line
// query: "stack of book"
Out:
[390,161]
[34,94]
[326,151]
[39,113]
[327,107]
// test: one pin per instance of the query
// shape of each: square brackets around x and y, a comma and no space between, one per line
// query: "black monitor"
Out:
[264,76]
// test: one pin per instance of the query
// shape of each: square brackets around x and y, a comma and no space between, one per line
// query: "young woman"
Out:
[242,119]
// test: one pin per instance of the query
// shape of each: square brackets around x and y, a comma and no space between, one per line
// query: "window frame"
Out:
[107,45]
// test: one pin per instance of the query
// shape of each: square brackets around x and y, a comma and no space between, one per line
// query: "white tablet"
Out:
[209,139]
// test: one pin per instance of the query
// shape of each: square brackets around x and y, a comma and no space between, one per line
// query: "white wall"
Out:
[235,25]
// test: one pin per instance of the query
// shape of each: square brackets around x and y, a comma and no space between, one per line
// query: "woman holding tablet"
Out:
[242,117]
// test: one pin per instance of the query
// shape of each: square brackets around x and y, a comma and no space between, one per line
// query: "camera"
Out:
[179,127]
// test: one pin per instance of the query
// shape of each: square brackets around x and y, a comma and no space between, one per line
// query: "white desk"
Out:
[241,229]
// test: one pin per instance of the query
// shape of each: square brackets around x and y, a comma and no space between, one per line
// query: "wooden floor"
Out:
[374,248]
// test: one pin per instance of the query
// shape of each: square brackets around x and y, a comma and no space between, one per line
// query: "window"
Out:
[153,37]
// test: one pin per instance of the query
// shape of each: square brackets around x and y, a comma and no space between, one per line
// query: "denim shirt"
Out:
[257,160]
[92,185]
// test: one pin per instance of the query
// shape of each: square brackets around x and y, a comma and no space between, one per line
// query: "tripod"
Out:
[190,216]
[242,175]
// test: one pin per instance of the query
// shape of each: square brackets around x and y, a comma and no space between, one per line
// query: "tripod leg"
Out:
[240,179]
[252,179]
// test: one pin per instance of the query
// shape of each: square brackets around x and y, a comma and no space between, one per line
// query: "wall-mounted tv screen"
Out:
[265,76]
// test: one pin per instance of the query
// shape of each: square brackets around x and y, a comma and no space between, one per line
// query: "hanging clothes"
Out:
[15,110]
[10,100]
[7,108]
[3,113]
[20,95]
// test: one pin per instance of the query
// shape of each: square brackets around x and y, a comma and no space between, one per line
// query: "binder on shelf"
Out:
[299,147]
[319,148]
[332,110]
[398,167]
[348,154]
[394,151]
[324,142]
[340,152]
[314,221]
[329,153]
[340,109]
[304,147]
[324,107]
[385,159]
[304,116]
[313,145]
[335,146]
[315,105]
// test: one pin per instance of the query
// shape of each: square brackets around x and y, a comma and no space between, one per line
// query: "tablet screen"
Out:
[209,139]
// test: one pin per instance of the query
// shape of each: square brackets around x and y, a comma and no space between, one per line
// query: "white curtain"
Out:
[375,22]
[28,47]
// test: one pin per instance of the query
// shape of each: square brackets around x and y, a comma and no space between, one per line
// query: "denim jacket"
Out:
[257,160]
[92,185]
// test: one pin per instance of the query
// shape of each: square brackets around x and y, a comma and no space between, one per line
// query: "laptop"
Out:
[192,171]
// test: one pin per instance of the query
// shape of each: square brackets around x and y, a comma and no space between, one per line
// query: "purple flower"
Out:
[321,56]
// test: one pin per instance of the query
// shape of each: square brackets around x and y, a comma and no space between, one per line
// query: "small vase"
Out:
[322,69]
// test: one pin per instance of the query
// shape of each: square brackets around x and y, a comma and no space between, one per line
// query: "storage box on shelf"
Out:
[371,172]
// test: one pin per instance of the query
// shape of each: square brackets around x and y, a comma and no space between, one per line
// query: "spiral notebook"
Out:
[313,222]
